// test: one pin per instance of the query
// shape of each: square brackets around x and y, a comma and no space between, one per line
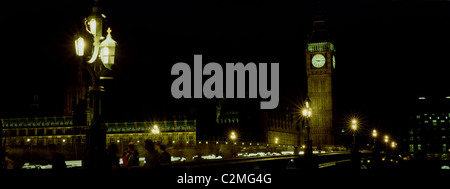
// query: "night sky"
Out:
[387,54]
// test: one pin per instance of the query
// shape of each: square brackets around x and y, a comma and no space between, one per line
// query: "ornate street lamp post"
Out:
[374,134]
[386,140]
[100,62]
[233,136]
[356,157]
[354,128]
[306,112]
[155,131]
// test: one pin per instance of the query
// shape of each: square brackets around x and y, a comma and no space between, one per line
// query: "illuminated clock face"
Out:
[318,60]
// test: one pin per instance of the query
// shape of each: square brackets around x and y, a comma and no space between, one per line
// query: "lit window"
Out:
[426,122]
[411,147]
[419,146]
[418,116]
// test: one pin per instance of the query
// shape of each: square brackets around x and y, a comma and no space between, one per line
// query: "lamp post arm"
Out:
[87,26]
[95,55]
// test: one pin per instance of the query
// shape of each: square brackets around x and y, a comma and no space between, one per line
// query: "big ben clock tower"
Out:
[320,64]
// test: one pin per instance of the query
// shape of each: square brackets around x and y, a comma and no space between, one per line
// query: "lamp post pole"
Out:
[100,62]
[97,131]
[308,138]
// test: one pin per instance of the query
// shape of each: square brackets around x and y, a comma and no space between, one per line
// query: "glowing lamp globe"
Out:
[94,22]
[79,46]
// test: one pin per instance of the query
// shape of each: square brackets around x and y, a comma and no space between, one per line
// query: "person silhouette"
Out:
[152,157]
[165,156]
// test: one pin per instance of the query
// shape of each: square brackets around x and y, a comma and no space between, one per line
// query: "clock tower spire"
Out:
[320,64]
